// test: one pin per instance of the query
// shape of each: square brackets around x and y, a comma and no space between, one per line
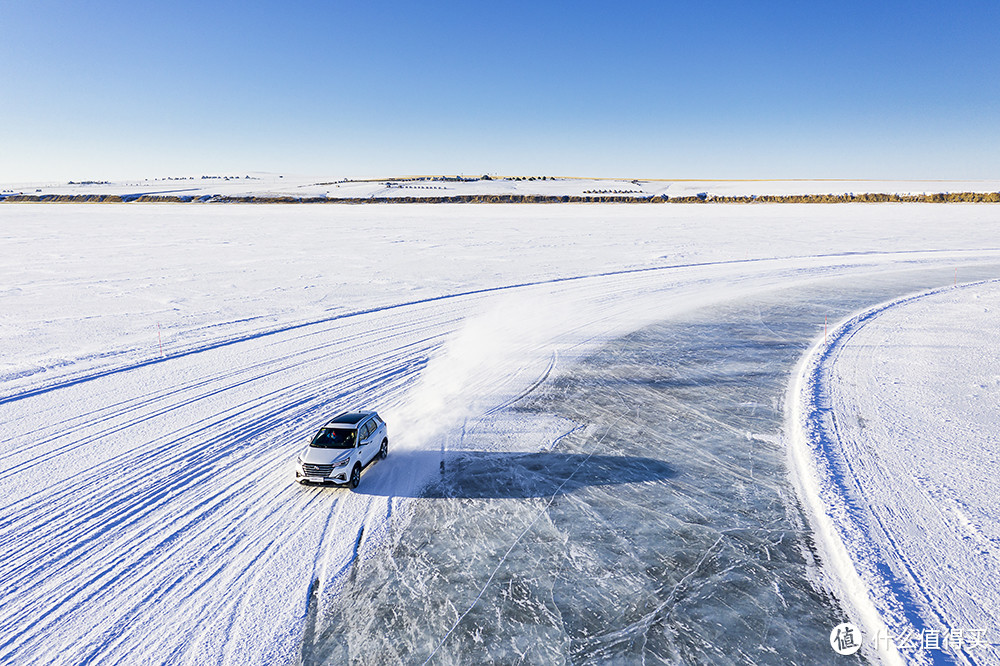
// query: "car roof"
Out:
[350,418]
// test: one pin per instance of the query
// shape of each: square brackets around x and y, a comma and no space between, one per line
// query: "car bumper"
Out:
[339,476]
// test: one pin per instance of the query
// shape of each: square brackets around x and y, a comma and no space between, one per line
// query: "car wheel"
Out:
[355,476]
[383,450]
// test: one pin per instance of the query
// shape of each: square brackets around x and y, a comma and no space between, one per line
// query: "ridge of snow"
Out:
[860,468]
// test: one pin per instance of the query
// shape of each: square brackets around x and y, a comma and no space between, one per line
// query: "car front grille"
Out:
[317,470]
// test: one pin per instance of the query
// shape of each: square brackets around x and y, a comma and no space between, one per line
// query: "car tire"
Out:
[383,450]
[355,476]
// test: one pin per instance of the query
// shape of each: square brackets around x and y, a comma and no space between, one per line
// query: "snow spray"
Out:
[477,366]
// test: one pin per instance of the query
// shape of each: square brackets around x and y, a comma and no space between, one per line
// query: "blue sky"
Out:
[634,89]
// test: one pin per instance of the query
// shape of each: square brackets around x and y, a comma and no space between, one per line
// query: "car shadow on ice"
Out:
[497,475]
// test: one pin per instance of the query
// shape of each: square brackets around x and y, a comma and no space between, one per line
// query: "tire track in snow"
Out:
[70,544]
[119,507]
[197,349]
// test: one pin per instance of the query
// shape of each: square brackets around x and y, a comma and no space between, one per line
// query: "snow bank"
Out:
[896,455]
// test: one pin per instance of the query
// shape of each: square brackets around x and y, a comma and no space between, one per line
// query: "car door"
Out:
[368,448]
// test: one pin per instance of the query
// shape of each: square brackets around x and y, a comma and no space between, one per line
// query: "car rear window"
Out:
[334,438]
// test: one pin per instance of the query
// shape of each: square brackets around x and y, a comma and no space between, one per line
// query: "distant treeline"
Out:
[954,197]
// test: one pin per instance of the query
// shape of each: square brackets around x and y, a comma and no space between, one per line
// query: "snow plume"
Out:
[492,357]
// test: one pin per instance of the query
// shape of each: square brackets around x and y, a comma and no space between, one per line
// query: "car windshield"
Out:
[334,438]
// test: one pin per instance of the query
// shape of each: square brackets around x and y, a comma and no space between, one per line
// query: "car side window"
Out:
[366,430]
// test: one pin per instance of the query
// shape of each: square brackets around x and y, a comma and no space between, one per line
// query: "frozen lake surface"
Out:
[164,365]
[659,526]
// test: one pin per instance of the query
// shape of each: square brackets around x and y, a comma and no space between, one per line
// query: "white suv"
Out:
[342,448]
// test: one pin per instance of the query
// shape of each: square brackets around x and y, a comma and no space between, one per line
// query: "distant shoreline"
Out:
[953,197]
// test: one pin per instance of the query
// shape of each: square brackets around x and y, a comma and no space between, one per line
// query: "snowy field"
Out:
[901,457]
[276,185]
[162,365]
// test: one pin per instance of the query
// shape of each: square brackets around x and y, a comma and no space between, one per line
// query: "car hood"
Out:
[318,456]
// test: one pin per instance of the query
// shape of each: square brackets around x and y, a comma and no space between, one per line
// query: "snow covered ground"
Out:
[901,456]
[162,365]
[267,185]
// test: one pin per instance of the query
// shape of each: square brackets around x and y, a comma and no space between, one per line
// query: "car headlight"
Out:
[342,463]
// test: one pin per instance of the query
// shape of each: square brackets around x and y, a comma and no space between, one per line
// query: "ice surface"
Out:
[660,527]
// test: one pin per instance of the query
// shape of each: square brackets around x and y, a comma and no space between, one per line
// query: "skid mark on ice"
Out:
[602,645]
[527,529]
[506,404]
[312,613]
